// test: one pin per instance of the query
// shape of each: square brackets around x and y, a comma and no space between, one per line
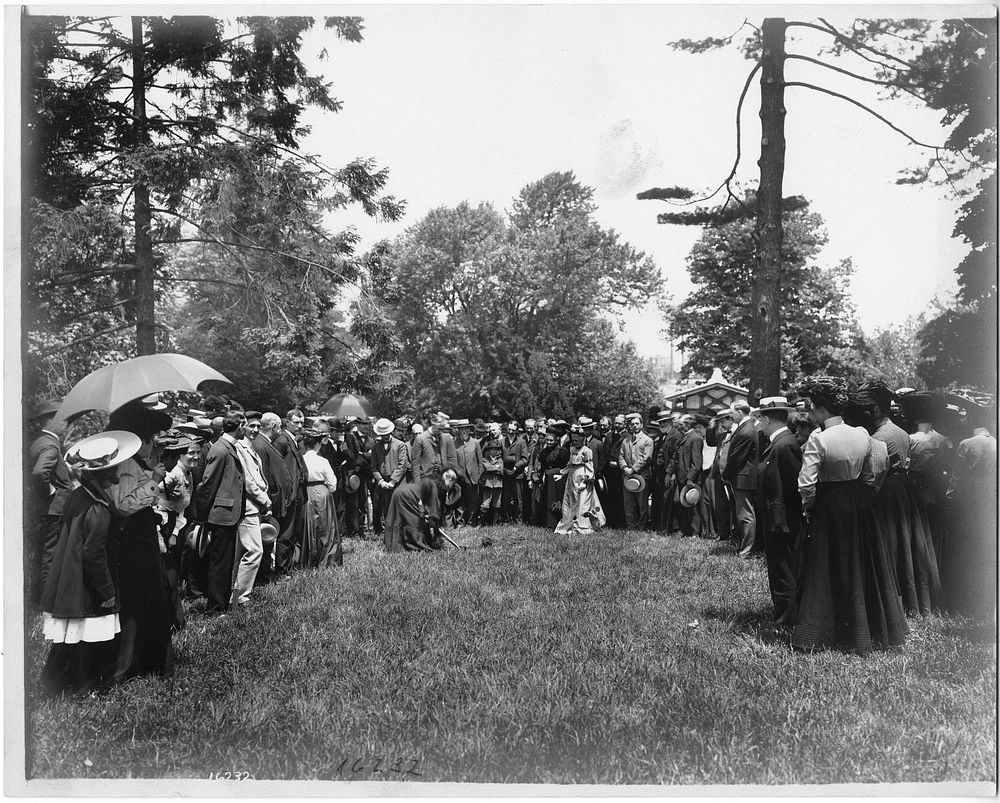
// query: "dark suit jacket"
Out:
[279,482]
[666,449]
[686,465]
[596,445]
[741,468]
[49,468]
[422,454]
[288,448]
[389,462]
[779,506]
[222,493]
[515,454]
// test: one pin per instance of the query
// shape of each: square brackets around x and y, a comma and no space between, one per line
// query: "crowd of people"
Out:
[864,512]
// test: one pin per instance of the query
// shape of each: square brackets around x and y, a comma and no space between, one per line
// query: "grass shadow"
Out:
[756,623]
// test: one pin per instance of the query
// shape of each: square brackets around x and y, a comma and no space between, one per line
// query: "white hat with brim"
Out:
[773,403]
[103,450]
[635,484]
[690,495]
[383,427]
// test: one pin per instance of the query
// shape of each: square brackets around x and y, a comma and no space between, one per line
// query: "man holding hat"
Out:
[530,440]
[389,463]
[290,525]
[50,485]
[469,455]
[664,452]
[779,506]
[433,449]
[720,492]
[634,457]
[741,473]
[685,471]
[279,485]
[515,460]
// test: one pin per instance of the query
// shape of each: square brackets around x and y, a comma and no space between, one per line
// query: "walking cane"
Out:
[448,538]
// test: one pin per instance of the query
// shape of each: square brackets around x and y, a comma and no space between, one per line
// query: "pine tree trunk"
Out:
[145,306]
[765,342]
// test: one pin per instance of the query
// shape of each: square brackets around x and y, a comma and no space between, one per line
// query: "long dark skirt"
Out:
[555,489]
[848,596]
[969,579]
[321,533]
[144,645]
[904,530]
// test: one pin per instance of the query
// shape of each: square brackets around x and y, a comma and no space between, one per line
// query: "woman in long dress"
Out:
[321,535]
[80,602]
[581,510]
[848,597]
[147,617]
[901,521]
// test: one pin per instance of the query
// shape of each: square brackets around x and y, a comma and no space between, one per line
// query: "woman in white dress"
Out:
[321,535]
[581,509]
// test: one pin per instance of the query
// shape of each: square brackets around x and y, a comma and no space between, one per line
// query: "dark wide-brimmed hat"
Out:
[45,408]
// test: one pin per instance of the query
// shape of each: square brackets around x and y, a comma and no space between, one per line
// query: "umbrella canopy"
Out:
[345,404]
[114,386]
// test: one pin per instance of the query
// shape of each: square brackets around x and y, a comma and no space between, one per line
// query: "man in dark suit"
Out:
[665,452]
[614,507]
[719,491]
[49,486]
[433,450]
[741,473]
[685,470]
[290,525]
[279,483]
[219,501]
[779,506]
[470,470]
[359,442]
[515,460]
[530,439]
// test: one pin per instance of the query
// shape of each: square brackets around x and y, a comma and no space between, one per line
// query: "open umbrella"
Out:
[114,386]
[345,404]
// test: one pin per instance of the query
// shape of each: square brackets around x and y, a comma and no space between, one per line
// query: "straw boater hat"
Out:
[383,427]
[461,423]
[774,403]
[635,483]
[586,423]
[268,532]
[103,450]
[690,495]
[152,402]
[665,417]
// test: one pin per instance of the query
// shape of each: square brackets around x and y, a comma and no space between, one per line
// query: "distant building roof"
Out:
[716,392]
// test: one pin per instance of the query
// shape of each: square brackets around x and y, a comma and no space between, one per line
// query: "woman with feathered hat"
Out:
[581,510]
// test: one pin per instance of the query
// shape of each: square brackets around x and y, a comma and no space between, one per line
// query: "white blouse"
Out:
[837,453]
[318,469]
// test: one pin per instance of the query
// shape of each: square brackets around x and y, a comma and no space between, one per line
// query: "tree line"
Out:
[168,204]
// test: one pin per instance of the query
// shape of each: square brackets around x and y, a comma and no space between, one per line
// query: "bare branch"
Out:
[855,75]
[739,151]
[92,310]
[872,112]
[85,339]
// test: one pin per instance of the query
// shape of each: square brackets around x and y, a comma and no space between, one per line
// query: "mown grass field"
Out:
[624,658]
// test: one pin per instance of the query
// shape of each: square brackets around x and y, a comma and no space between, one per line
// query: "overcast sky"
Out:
[472,103]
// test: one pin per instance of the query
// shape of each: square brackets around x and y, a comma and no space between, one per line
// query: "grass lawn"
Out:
[619,658]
